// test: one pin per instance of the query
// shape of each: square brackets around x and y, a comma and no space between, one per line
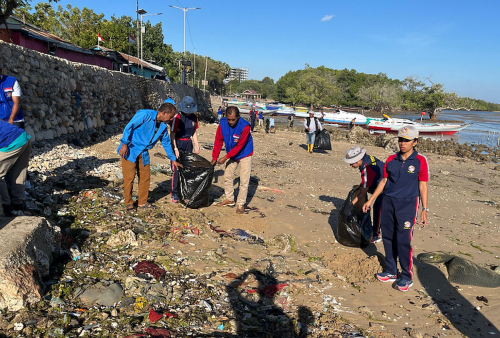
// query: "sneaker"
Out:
[173,200]
[386,277]
[404,284]
[375,239]
[225,203]
[240,209]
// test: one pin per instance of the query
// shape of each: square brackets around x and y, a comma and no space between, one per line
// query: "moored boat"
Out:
[393,125]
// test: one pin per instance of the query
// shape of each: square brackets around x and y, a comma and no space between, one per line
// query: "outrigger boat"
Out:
[388,124]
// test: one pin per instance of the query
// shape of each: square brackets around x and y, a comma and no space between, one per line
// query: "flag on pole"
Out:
[99,38]
[131,39]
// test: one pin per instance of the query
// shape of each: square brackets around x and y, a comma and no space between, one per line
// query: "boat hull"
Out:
[423,129]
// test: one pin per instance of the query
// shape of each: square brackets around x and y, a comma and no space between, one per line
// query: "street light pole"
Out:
[142,12]
[185,9]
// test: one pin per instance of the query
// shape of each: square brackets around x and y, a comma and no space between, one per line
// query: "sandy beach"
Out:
[323,287]
[464,220]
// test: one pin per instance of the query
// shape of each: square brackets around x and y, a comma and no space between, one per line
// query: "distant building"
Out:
[240,74]
[129,63]
[32,37]
[250,94]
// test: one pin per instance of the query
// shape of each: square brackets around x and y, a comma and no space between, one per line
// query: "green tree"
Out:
[8,7]
[381,96]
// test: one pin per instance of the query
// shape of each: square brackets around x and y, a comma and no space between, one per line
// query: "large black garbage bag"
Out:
[354,227]
[322,140]
[195,179]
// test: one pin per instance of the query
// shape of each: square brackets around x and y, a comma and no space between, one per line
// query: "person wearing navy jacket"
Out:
[143,131]
[234,133]
[371,169]
[404,185]
[183,136]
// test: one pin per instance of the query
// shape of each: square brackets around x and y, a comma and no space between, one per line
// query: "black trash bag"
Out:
[195,178]
[354,227]
[322,140]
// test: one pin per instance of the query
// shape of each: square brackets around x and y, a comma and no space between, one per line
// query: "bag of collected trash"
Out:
[195,179]
[354,227]
[322,140]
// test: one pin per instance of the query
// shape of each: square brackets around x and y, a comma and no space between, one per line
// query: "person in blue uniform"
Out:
[371,169]
[10,101]
[234,132]
[184,136]
[404,185]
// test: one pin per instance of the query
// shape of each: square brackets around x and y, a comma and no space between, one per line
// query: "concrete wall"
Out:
[50,108]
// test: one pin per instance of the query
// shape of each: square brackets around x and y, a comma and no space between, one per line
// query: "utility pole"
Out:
[194,74]
[206,66]
[185,9]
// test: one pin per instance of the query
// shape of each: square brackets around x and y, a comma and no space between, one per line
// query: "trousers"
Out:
[14,164]
[245,165]
[398,218]
[130,169]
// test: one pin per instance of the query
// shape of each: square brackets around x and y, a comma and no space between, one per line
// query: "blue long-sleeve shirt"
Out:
[139,135]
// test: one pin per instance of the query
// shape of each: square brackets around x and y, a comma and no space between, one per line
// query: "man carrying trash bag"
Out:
[234,133]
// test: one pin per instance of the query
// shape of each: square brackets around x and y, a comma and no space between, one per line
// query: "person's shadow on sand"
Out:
[456,308]
[256,314]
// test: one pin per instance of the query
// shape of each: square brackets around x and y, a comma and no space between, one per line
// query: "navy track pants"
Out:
[398,218]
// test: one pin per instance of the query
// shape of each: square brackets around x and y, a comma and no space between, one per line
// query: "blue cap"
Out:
[169,100]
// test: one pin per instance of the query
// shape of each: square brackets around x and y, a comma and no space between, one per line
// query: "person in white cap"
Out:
[404,185]
[371,169]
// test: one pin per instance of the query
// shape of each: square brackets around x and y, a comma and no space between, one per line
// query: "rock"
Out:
[105,296]
[123,238]
[26,247]
[285,242]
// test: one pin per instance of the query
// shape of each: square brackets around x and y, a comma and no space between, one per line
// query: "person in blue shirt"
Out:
[144,130]
[15,149]
[261,118]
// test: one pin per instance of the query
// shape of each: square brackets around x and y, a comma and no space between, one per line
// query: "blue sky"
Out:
[456,43]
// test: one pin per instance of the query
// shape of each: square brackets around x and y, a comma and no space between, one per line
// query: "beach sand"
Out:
[464,198]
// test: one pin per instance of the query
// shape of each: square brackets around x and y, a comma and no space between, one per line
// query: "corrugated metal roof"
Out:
[133,59]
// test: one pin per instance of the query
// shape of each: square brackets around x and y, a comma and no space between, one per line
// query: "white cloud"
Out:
[327,18]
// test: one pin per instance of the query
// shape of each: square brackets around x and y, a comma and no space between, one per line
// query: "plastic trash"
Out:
[150,268]
[322,140]
[195,178]
[354,227]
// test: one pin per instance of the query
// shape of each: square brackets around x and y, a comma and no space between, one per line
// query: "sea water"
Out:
[482,123]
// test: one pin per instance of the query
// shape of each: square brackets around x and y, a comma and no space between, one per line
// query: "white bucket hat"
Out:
[354,154]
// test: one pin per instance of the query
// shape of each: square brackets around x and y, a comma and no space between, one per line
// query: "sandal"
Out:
[148,206]
[131,208]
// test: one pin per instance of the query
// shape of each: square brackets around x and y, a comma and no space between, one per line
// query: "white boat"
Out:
[393,125]
[344,118]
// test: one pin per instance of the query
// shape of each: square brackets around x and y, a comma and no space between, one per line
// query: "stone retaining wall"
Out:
[50,108]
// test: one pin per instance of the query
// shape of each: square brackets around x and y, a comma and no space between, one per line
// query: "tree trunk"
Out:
[433,115]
